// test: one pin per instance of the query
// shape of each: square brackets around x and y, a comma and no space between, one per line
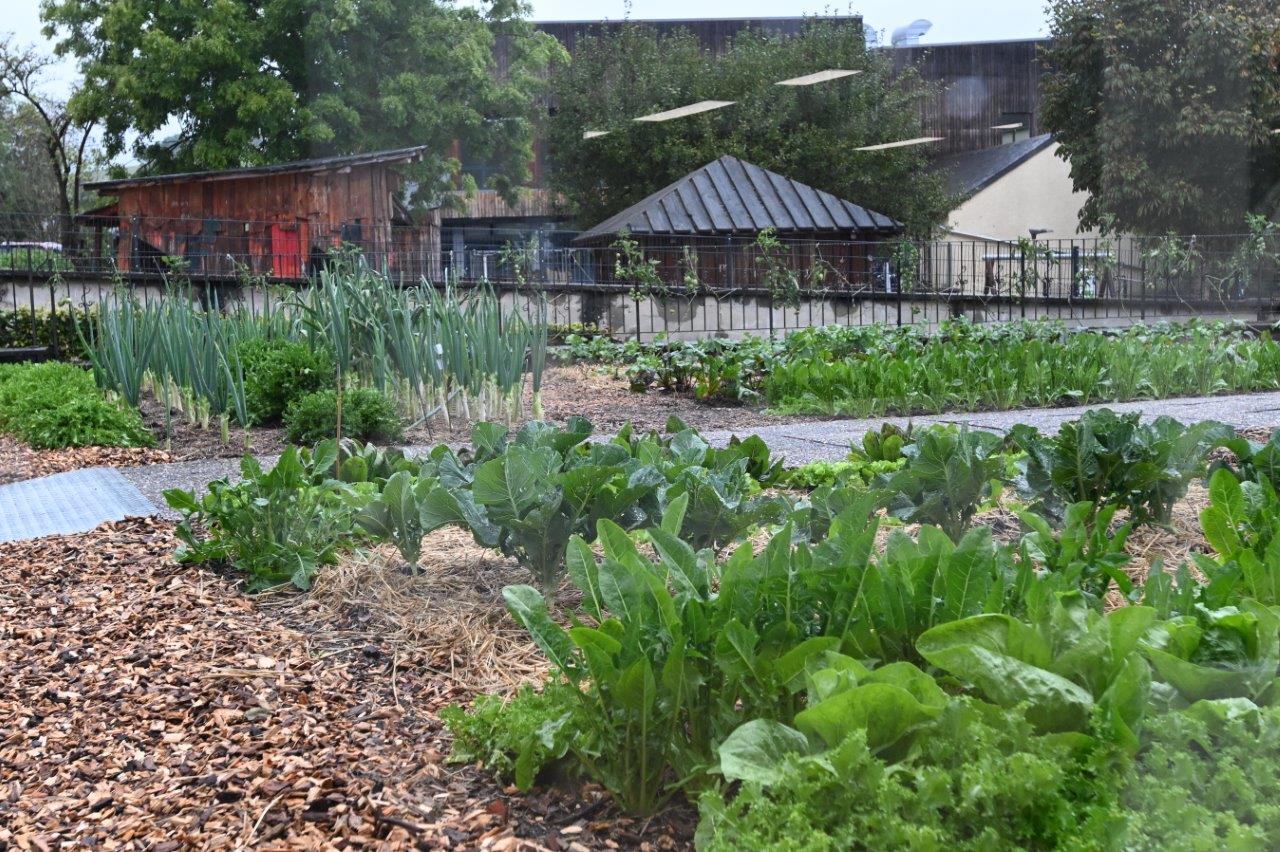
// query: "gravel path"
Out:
[808,441]
[830,439]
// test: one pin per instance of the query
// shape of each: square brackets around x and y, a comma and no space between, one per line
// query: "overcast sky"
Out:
[953,20]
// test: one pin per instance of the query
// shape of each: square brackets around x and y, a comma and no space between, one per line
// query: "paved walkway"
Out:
[819,439]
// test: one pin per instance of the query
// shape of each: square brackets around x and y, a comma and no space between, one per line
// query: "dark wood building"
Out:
[984,88]
[705,228]
[279,220]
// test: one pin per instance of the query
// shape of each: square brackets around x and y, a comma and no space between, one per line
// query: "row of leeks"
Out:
[447,353]
[187,356]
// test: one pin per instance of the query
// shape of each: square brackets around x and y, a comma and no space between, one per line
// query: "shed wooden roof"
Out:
[729,196]
[321,164]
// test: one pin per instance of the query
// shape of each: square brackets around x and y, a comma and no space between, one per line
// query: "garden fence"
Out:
[694,286]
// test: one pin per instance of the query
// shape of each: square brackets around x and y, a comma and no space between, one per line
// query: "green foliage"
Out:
[1064,666]
[1231,653]
[880,371]
[277,526]
[367,415]
[949,473]
[54,405]
[685,644]
[1241,523]
[395,515]
[615,77]
[1085,555]
[515,737]
[979,779]
[853,471]
[278,372]
[884,444]
[242,92]
[528,494]
[1207,780]
[20,329]
[875,370]
[1118,103]
[1111,459]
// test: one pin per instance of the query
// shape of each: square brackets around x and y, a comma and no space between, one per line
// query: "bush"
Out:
[279,372]
[53,405]
[949,474]
[56,330]
[366,415]
[1111,459]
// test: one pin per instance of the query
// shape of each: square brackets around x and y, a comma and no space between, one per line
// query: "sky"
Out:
[953,20]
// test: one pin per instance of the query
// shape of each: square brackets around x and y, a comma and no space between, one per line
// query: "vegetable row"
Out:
[765,654]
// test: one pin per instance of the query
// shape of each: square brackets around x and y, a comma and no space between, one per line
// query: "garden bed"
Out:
[156,707]
[582,390]
[207,717]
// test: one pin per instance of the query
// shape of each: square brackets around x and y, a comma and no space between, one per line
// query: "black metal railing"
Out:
[650,285]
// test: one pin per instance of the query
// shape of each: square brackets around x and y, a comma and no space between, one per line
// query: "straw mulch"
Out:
[153,706]
[449,614]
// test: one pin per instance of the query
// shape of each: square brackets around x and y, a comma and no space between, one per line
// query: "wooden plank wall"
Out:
[979,82]
[172,214]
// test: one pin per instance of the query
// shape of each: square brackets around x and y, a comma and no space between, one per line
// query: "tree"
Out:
[1164,109]
[808,133]
[28,190]
[252,82]
[64,138]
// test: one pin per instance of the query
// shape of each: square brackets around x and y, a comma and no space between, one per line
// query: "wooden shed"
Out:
[280,220]
[706,228]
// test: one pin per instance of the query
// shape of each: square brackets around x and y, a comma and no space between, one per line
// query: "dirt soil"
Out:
[152,706]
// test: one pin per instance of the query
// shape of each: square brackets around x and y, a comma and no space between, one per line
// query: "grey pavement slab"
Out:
[65,503]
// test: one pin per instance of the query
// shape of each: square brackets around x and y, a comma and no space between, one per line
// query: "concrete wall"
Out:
[1036,194]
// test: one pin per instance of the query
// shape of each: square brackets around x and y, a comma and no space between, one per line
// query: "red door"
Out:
[286,251]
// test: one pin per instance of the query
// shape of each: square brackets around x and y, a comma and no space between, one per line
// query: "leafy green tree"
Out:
[28,190]
[808,133]
[45,149]
[1165,108]
[250,82]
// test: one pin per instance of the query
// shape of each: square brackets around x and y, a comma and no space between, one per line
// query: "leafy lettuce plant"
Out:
[1067,665]
[1241,523]
[977,777]
[1233,652]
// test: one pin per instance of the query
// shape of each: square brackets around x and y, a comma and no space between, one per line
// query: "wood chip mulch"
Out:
[19,461]
[147,705]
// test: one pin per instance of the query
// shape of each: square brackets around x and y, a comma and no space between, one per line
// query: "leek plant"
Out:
[448,351]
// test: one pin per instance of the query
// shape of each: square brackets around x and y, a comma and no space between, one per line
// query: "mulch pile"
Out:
[152,706]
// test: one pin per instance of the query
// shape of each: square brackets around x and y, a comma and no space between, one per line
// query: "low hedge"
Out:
[55,330]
